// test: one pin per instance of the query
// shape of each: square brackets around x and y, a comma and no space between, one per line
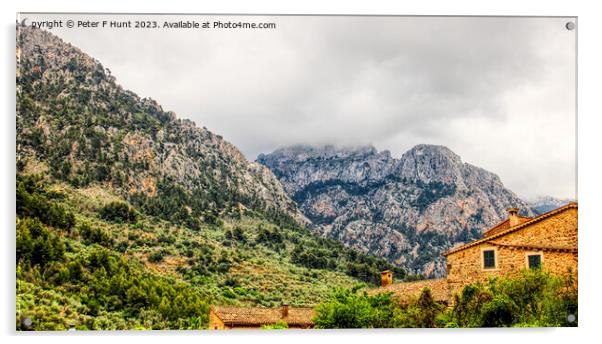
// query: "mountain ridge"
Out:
[407,209]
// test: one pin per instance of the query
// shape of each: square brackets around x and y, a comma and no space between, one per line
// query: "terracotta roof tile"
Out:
[263,316]
[503,225]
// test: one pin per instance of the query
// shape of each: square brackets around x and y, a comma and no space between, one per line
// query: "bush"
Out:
[110,291]
[348,309]
[36,245]
[156,257]
[280,325]
[422,312]
[33,201]
[94,235]
[533,298]
[118,212]
[122,246]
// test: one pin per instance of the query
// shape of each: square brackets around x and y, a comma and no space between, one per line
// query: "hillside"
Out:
[407,210]
[128,217]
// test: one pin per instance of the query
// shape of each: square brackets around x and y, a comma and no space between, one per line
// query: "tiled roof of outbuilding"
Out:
[257,316]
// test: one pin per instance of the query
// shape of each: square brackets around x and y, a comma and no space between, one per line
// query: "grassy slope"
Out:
[257,273]
[256,269]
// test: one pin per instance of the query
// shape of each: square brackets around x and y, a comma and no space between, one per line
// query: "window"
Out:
[534,261]
[489,259]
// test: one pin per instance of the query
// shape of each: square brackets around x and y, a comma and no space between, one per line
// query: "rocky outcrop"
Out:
[407,209]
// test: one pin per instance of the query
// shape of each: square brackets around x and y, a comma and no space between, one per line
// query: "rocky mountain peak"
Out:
[407,210]
[301,165]
[301,153]
[432,152]
[431,163]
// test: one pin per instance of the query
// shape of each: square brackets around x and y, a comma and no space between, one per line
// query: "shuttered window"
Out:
[489,259]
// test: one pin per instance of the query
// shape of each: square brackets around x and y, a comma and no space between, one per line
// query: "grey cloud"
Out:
[481,86]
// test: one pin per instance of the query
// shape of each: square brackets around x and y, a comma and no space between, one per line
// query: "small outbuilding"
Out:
[229,318]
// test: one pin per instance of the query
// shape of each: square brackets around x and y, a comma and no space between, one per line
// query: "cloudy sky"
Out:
[500,92]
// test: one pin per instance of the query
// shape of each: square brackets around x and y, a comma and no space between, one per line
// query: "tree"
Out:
[423,311]
[36,245]
[348,309]
[533,298]
[118,212]
[94,235]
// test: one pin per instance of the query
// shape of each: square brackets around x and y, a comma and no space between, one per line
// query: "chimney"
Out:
[386,278]
[513,216]
[284,311]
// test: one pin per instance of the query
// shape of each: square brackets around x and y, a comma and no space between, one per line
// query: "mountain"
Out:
[76,118]
[544,204]
[407,210]
[129,217]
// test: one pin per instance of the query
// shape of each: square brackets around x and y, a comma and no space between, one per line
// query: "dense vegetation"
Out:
[106,290]
[92,258]
[532,299]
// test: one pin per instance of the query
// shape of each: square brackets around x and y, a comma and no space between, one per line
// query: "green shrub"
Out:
[280,325]
[533,298]
[156,257]
[349,309]
[111,291]
[36,245]
[33,201]
[422,312]
[94,235]
[122,246]
[118,212]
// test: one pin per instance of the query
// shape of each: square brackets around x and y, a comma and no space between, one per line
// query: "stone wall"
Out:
[554,237]
[215,323]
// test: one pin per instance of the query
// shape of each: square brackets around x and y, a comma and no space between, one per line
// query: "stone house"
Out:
[548,241]
[243,318]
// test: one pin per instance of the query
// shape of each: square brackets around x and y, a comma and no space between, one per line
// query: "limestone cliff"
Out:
[407,209]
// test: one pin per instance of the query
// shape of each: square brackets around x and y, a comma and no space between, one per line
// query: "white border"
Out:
[589,26]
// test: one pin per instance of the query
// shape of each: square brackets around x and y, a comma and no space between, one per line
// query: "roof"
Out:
[513,229]
[259,316]
[503,225]
[407,290]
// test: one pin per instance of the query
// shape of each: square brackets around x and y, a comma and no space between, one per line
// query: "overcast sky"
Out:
[500,92]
